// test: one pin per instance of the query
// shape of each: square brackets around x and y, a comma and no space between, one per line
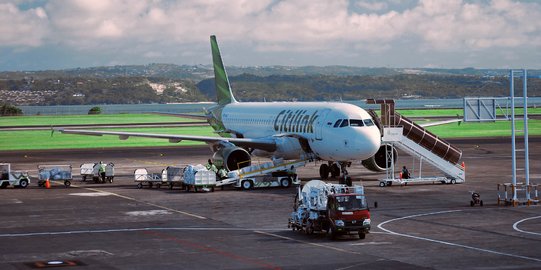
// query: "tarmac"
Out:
[118,226]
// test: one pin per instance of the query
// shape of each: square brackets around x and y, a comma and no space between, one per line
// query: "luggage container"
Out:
[170,176]
[91,171]
[199,178]
[8,177]
[54,172]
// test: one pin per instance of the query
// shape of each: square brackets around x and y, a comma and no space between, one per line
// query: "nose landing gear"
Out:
[335,169]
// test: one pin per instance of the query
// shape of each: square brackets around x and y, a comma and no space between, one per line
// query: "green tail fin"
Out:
[221,82]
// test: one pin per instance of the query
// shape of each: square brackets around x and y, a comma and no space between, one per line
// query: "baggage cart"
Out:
[54,173]
[91,171]
[170,176]
[199,178]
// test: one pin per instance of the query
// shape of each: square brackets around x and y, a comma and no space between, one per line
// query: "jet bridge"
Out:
[404,134]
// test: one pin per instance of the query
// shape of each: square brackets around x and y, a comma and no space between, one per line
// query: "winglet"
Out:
[221,82]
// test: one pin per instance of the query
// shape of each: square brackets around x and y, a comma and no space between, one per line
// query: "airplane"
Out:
[328,131]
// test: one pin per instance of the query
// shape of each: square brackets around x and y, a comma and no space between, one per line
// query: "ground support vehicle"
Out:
[199,178]
[426,180]
[169,176]
[15,178]
[276,173]
[54,172]
[335,208]
[476,199]
[91,171]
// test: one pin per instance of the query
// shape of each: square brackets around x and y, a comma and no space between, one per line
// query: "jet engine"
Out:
[232,158]
[377,162]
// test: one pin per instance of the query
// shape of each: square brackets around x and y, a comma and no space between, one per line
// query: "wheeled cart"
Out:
[54,172]
[198,178]
[170,176]
[91,171]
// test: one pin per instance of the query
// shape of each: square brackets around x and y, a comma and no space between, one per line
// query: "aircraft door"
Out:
[320,123]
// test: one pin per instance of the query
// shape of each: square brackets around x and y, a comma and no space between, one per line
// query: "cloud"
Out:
[124,27]
[22,27]
[372,6]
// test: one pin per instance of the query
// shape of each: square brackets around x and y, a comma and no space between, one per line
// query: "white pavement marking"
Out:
[91,194]
[515,226]
[370,243]
[137,230]
[148,213]
[380,226]
[148,203]
[307,243]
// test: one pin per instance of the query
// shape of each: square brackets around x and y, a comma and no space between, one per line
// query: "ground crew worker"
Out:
[211,167]
[101,171]
[405,173]
[222,173]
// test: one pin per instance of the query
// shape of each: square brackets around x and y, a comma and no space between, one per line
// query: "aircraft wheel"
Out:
[335,170]
[349,181]
[324,171]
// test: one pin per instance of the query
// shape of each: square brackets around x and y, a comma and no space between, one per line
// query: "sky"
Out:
[60,34]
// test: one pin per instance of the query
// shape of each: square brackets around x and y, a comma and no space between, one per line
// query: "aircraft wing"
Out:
[263,144]
[438,123]
[184,115]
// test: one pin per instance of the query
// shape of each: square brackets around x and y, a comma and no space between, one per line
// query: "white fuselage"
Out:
[334,131]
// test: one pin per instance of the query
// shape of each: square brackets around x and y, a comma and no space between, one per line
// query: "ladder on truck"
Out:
[404,134]
[236,176]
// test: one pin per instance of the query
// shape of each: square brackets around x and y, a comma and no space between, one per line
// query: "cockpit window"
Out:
[356,123]
[345,123]
[368,122]
[337,122]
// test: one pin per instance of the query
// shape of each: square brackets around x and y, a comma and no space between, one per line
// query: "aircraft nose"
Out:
[374,137]
[370,143]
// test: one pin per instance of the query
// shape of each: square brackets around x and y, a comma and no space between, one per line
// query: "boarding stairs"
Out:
[421,143]
[265,168]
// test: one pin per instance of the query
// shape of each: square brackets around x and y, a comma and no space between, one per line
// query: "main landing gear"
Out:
[334,169]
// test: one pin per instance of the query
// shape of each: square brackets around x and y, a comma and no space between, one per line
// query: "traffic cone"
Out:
[47,184]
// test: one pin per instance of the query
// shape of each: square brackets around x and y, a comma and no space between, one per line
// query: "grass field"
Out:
[455,112]
[27,140]
[57,120]
[487,129]
[42,139]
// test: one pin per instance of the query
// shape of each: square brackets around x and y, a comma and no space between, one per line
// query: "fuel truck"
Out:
[336,209]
